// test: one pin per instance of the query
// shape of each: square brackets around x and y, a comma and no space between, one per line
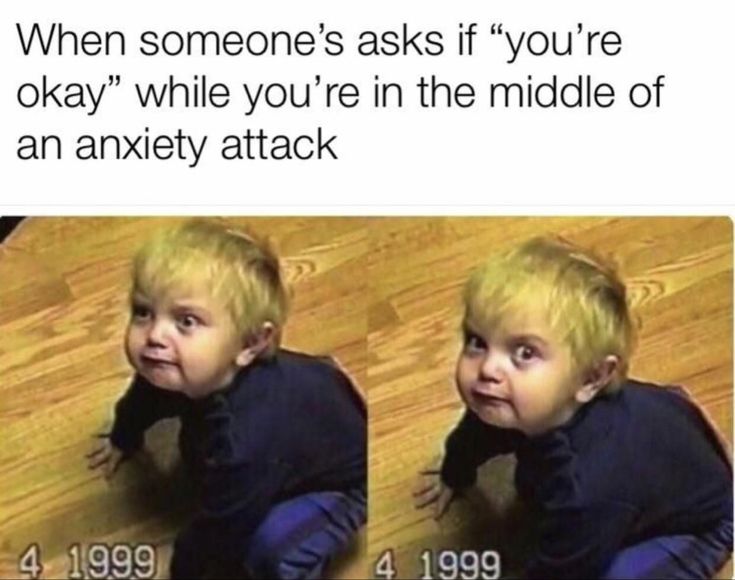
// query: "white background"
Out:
[410,160]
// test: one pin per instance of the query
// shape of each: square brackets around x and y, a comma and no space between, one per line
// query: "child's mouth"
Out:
[157,362]
[486,399]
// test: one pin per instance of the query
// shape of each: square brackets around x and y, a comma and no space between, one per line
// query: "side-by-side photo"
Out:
[366,397]
[182,398]
[551,398]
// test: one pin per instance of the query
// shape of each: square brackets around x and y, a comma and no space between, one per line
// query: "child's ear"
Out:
[256,344]
[597,379]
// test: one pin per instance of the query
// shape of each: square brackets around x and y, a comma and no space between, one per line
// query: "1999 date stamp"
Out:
[96,560]
[445,565]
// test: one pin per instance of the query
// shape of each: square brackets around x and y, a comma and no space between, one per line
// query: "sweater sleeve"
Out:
[580,542]
[469,445]
[140,407]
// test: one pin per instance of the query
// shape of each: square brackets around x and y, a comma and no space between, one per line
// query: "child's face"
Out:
[518,375]
[183,341]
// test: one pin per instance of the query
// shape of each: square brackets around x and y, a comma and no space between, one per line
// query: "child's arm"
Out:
[140,407]
[470,445]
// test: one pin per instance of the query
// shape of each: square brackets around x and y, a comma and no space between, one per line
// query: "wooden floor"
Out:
[679,273]
[63,295]
[380,294]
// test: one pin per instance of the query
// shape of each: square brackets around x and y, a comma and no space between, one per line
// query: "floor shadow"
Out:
[161,485]
[493,517]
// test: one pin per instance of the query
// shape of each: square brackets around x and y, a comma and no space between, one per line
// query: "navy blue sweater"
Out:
[286,426]
[627,467]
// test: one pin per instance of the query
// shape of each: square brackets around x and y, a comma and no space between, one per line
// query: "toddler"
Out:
[276,439]
[630,478]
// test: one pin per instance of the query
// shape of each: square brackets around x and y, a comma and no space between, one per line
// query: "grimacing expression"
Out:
[183,340]
[518,375]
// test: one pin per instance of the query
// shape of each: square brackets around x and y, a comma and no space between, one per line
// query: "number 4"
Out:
[30,562]
[385,567]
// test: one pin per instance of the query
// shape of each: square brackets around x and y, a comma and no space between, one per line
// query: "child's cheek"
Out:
[132,345]
[463,379]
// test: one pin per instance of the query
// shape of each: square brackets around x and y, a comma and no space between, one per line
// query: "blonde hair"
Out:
[239,271]
[581,293]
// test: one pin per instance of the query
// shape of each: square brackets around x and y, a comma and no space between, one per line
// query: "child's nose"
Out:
[491,369]
[157,333]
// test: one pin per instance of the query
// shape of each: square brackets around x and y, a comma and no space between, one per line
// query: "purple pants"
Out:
[684,556]
[300,536]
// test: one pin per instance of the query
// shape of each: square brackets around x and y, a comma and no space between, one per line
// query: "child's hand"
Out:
[105,456]
[431,490]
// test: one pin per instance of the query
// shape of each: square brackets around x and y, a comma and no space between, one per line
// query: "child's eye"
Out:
[524,353]
[188,322]
[141,312]
[473,343]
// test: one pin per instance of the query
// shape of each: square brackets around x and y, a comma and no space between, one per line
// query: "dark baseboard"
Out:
[8,224]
